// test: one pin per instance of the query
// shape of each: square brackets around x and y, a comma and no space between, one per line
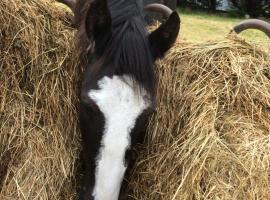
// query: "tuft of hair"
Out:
[130,53]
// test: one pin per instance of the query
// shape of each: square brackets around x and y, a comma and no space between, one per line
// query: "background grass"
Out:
[199,26]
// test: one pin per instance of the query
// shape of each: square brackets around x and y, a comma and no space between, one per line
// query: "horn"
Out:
[156,7]
[69,3]
[253,24]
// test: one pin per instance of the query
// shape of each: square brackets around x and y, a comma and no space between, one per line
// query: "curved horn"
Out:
[156,7]
[69,3]
[253,24]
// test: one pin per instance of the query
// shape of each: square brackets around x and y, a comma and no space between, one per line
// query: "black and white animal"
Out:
[119,86]
[118,90]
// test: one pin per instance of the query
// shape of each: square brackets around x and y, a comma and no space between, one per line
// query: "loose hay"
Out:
[38,129]
[208,140]
[210,136]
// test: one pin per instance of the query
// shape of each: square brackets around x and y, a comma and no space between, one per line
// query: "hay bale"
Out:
[38,132]
[210,136]
[208,140]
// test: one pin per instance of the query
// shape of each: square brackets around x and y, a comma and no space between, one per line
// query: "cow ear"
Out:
[164,36]
[98,19]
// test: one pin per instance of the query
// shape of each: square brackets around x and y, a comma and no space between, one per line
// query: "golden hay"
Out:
[208,140]
[38,132]
[210,136]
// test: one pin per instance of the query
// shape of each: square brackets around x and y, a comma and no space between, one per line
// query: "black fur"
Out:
[92,124]
[125,44]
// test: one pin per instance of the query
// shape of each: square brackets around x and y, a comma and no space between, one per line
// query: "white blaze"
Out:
[121,105]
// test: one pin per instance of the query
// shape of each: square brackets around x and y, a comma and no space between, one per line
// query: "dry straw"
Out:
[209,138]
[38,127]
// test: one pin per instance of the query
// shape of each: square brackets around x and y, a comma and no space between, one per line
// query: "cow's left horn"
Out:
[253,24]
[156,7]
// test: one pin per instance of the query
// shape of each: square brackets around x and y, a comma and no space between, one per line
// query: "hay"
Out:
[210,136]
[38,132]
[208,140]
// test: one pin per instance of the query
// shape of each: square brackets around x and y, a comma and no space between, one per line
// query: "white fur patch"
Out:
[121,106]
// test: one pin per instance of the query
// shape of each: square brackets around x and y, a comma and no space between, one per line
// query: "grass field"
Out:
[201,26]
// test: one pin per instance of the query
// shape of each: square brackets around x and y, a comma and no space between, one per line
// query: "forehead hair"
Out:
[128,49]
[120,11]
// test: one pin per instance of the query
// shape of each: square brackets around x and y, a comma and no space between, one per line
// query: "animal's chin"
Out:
[86,196]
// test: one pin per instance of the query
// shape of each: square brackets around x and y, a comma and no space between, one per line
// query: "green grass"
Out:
[198,26]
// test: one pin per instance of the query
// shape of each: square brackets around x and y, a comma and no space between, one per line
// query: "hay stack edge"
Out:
[209,138]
